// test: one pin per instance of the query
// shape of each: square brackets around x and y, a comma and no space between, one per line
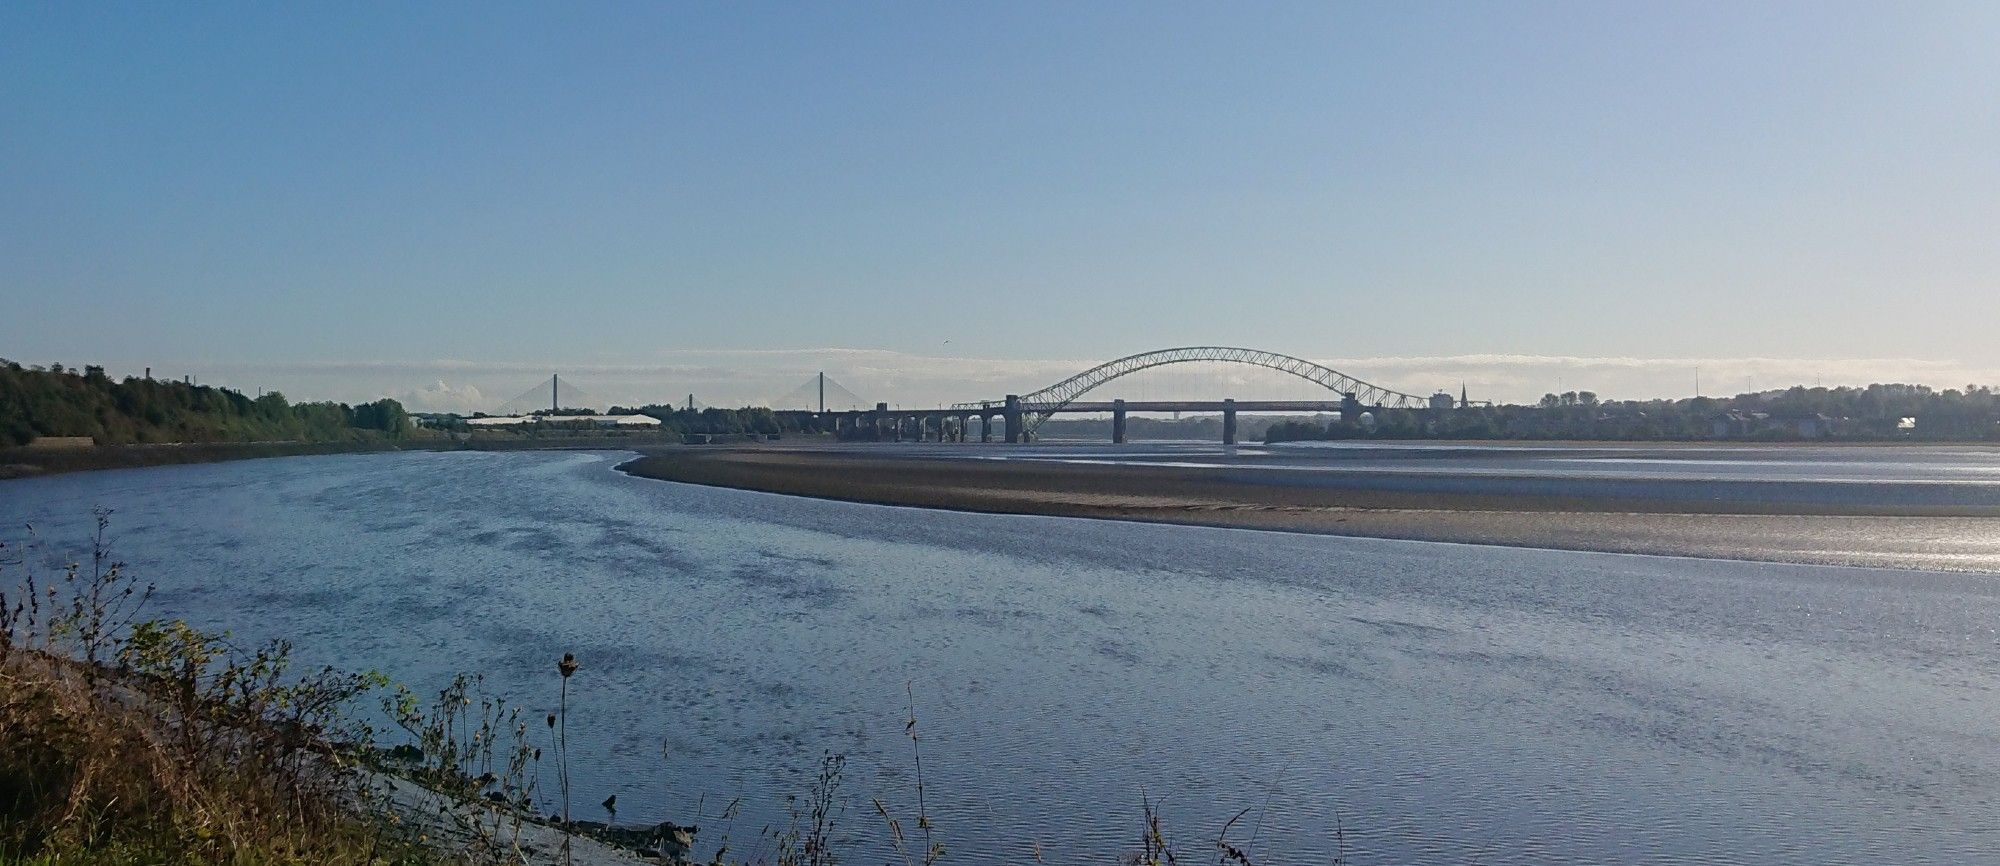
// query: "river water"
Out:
[1382,701]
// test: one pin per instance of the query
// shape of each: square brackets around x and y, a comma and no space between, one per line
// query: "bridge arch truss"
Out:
[1038,406]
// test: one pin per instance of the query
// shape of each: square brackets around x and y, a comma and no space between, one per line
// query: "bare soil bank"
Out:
[1778,532]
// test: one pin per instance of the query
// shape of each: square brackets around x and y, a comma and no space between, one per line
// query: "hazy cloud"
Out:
[441,397]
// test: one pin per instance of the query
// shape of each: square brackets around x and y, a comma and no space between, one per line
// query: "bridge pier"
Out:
[1012,416]
[1228,422]
[985,428]
[1118,422]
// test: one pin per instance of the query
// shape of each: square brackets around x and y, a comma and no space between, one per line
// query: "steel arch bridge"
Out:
[1038,406]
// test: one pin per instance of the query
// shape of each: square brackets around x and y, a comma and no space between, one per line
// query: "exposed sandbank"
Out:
[1887,536]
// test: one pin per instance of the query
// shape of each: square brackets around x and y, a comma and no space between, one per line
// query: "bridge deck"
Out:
[1108,406]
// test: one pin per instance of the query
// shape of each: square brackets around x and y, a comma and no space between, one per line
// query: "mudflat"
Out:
[1884,535]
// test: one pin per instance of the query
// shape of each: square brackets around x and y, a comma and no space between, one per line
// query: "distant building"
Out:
[602,422]
[1441,402]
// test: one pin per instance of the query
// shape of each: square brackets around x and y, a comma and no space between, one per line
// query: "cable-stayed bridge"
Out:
[558,393]
[553,393]
[820,394]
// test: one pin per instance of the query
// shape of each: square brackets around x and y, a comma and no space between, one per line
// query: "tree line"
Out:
[1874,412]
[59,401]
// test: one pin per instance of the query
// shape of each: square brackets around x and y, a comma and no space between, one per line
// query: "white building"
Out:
[605,422]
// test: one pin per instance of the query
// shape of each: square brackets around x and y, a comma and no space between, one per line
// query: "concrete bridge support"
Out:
[1228,422]
[1118,422]
[1012,415]
[985,428]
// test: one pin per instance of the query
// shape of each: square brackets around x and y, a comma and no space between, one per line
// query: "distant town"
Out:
[62,407]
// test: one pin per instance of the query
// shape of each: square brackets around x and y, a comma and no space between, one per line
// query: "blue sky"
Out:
[351,199]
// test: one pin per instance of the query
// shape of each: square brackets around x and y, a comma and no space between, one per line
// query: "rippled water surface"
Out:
[1395,702]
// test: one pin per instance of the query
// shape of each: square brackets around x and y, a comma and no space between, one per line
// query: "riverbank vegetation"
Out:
[125,740]
[61,402]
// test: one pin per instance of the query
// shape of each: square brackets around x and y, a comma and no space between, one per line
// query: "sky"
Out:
[932,202]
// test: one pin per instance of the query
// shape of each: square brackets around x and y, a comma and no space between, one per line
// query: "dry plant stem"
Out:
[1153,846]
[1231,853]
[932,853]
[562,745]
[567,667]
